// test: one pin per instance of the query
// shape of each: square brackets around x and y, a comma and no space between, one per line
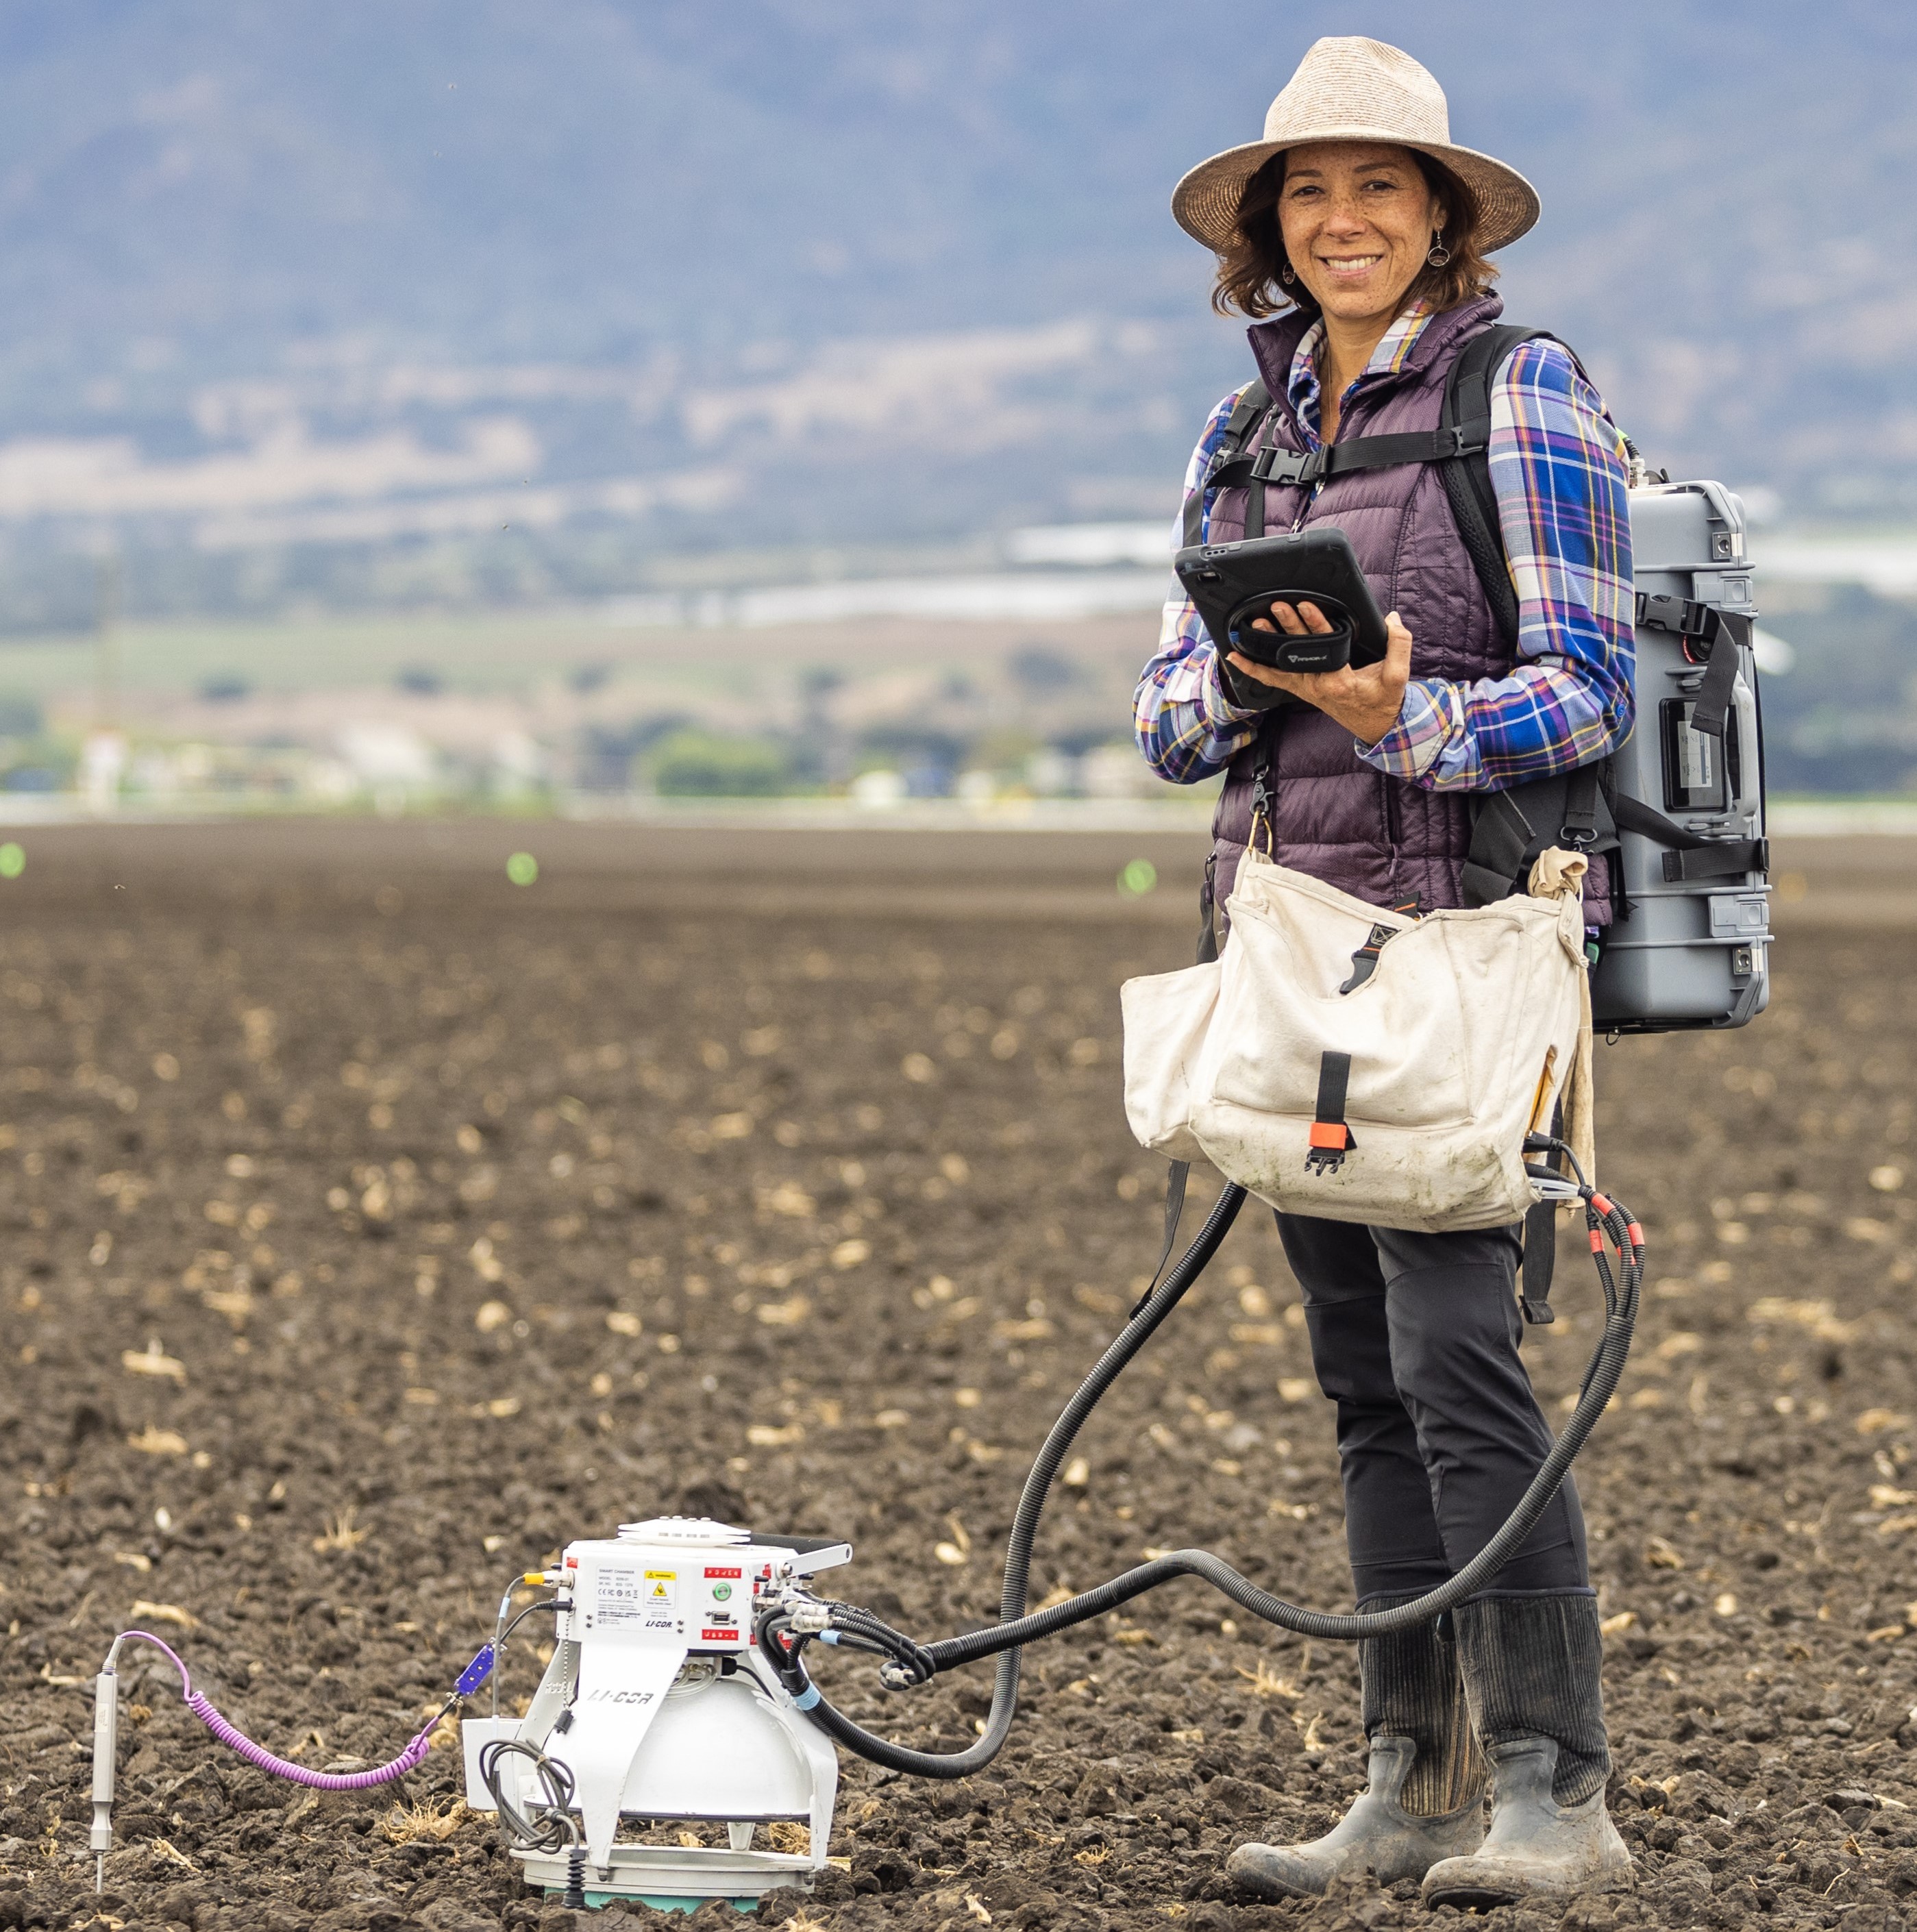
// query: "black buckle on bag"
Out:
[1677,615]
[1364,961]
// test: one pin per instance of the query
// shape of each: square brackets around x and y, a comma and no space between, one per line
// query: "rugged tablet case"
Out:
[1231,583]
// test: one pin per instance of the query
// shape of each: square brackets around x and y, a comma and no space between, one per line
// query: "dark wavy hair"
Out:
[1249,279]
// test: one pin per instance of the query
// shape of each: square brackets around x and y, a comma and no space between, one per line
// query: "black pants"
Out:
[1415,1338]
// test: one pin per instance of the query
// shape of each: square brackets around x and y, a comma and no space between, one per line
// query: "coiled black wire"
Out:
[785,1646]
[547,1827]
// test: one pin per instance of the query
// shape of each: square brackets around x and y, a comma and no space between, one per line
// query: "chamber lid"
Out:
[695,1530]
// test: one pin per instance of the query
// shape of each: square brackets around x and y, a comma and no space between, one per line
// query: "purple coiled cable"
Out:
[201,1707]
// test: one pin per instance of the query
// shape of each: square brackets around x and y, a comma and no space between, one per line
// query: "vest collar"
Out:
[1274,347]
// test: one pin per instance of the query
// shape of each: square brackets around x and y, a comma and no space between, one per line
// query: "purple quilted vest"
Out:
[1376,837]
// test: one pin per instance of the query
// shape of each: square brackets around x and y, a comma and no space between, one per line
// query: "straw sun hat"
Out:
[1350,89]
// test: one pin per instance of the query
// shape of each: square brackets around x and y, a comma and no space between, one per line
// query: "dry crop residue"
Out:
[362,1249]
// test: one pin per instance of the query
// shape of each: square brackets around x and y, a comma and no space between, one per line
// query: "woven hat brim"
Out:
[1205,203]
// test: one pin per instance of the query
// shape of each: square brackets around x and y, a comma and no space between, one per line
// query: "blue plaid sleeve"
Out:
[1185,726]
[1558,467]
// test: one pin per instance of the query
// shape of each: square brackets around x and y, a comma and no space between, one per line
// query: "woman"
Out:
[1360,231]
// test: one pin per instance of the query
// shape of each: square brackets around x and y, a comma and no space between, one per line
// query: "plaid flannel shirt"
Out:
[1559,468]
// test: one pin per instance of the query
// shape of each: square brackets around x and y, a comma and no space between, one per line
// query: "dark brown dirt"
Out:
[371,1146]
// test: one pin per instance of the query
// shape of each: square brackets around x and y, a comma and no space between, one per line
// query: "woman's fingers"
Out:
[1397,649]
[1297,621]
[1289,621]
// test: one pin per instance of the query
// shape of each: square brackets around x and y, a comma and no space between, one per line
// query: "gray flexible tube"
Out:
[1025,1528]
[1016,1628]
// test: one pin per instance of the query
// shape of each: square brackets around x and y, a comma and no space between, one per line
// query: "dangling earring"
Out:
[1439,254]
[1287,274]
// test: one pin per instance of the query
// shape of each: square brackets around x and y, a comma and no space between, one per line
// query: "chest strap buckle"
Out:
[1287,468]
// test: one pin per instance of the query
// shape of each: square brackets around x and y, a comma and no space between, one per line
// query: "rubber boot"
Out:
[1423,1801]
[1531,1668]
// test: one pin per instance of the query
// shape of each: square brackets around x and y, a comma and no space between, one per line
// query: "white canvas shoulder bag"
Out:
[1365,1066]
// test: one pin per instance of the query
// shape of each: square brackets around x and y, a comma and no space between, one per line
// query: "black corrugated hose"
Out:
[910,1664]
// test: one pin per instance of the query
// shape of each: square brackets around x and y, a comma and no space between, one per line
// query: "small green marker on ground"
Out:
[1137,878]
[522,868]
[13,860]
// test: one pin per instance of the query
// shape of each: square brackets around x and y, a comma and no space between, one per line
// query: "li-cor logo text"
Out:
[603,1697]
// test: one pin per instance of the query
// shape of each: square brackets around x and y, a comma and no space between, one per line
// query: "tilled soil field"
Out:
[374,1227]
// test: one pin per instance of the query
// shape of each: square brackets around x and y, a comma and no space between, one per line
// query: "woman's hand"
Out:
[1365,700]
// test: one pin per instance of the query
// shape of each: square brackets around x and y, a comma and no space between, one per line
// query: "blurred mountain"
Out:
[481,299]
[1844,718]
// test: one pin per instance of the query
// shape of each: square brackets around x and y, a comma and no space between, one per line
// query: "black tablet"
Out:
[1231,583]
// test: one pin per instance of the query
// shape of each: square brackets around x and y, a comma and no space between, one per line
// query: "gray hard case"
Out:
[1690,954]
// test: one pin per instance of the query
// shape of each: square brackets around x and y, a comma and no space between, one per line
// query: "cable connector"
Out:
[475,1673]
[808,1615]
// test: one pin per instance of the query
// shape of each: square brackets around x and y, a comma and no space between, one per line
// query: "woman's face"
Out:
[1357,220]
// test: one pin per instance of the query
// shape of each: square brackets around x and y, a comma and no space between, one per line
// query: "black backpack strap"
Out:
[1540,1247]
[1686,855]
[1581,810]
[1578,809]
[1540,1257]
[1253,405]
[1574,809]
[1466,417]
[1292,467]
[1584,804]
